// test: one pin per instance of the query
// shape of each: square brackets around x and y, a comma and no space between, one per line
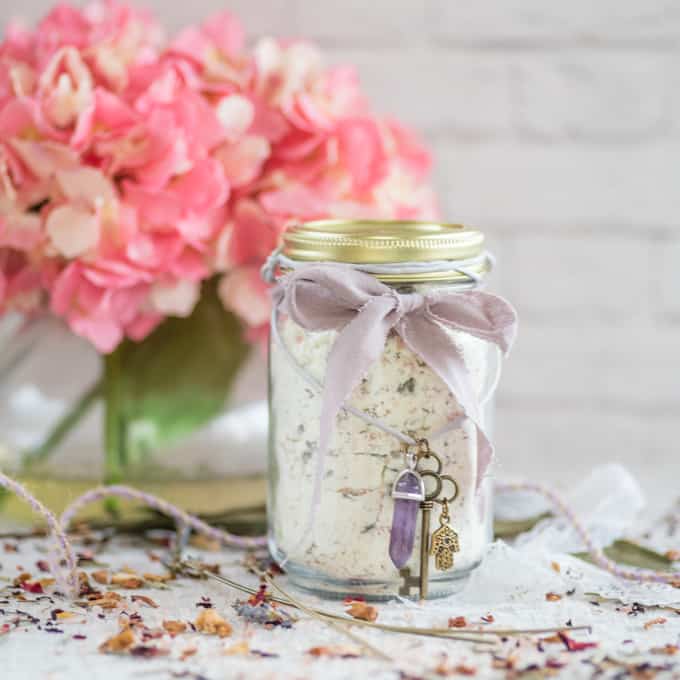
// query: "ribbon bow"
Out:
[364,311]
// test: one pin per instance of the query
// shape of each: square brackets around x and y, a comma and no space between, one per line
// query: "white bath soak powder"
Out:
[351,528]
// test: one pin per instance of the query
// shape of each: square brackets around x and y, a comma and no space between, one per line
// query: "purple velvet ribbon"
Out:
[364,311]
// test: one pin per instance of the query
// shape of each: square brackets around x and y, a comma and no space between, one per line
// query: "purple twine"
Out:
[69,582]
[597,554]
[182,518]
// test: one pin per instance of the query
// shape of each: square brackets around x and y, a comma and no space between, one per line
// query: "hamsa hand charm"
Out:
[444,542]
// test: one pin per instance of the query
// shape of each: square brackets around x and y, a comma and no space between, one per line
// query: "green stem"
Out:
[114,434]
[63,426]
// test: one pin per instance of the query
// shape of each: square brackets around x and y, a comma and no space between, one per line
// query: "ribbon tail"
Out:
[432,343]
[358,345]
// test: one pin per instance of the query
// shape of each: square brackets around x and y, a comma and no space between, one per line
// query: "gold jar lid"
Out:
[376,242]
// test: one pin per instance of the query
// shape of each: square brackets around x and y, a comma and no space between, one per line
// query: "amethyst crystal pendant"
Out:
[408,492]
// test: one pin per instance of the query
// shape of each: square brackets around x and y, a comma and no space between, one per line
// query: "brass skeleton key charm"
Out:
[444,542]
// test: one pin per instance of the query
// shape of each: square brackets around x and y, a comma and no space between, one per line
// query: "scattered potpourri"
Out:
[114,597]
[259,609]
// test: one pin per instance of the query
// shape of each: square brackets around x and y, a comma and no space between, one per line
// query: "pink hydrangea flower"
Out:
[133,169]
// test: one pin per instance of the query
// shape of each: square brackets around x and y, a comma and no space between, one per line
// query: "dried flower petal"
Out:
[21,578]
[127,580]
[363,611]
[264,613]
[174,627]
[101,576]
[32,587]
[121,642]
[659,621]
[574,646]
[552,639]
[109,600]
[148,651]
[187,652]
[145,600]
[335,651]
[457,622]
[211,623]
[668,650]
[239,649]
[158,578]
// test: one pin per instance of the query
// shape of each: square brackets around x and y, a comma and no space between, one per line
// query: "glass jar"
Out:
[339,545]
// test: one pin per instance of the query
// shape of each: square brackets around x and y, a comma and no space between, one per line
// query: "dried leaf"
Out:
[668,650]
[363,611]
[553,597]
[507,528]
[211,623]
[556,567]
[174,627]
[122,642]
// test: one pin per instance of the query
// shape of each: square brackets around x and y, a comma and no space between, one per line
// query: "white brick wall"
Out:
[556,128]
[571,94]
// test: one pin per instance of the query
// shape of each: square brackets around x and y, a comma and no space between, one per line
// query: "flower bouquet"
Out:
[143,181]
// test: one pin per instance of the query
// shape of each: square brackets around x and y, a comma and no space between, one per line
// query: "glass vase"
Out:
[71,419]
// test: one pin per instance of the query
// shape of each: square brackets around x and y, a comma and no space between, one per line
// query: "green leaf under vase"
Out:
[161,389]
